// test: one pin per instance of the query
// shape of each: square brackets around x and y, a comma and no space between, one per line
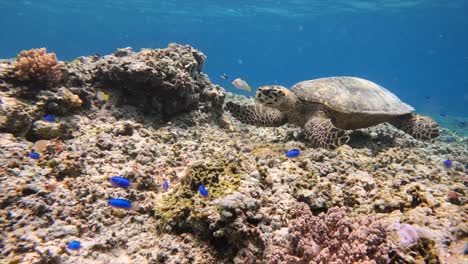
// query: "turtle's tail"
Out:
[418,126]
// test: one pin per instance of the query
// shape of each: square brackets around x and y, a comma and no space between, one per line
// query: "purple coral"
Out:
[407,233]
[331,237]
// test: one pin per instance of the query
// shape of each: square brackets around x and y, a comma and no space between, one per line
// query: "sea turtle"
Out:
[325,108]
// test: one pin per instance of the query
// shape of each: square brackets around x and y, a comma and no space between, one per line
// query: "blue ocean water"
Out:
[417,49]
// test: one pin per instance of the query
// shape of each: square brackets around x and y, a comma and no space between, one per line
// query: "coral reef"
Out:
[36,67]
[15,115]
[162,81]
[61,101]
[331,237]
[259,201]
[183,209]
[415,244]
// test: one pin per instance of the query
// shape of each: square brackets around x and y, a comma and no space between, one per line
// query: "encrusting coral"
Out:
[180,209]
[331,237]
[37,67]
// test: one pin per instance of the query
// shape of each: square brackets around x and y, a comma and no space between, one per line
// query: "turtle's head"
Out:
[275,96]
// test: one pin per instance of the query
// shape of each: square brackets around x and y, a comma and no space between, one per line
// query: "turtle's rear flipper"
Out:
[320,131]
[256,115]
[418,126]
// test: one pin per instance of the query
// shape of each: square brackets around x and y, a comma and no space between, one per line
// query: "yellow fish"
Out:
[102,96]
[241,84]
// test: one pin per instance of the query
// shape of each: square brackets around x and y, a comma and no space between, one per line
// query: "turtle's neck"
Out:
[291,104]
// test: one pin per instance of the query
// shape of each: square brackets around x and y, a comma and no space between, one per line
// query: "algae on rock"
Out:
[184,209]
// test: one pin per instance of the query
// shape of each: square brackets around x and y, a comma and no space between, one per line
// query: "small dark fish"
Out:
[34,155]
[293,153]
[447,163]
[202,190]
[119,181]
[462,124]
[443,114]
[120,203]
[224,76]
[427,97]
[74,245]
[165,185]
[49,118]
[450,139]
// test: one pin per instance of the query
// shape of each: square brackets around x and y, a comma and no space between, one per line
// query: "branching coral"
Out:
[38,67]
[331,237]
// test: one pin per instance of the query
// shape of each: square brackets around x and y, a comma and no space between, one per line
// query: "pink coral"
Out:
[331,237]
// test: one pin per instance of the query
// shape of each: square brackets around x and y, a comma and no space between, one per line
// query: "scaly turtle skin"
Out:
[325,108]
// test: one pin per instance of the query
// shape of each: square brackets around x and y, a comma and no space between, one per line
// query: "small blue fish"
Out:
[74,245]
[443,114]
[447,163]
[202,190]
[450,139]
[427,97]
[165,185]
[119,181]
[120,203]
[293,153]
[49,118]
[34,155]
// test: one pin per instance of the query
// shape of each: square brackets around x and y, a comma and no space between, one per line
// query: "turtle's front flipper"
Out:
[418,126]
[320,131]
[256,115]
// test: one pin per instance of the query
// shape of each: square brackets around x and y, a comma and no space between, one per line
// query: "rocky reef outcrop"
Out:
[166,81]
[160,82]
